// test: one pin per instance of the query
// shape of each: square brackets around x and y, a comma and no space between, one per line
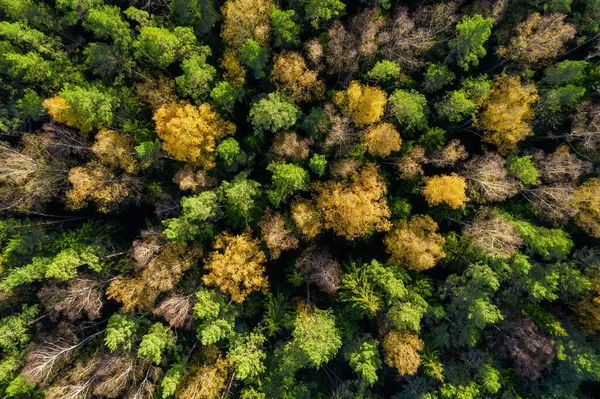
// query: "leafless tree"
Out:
[321,268]
[80,295]
[177,311]
[553,202]
[493,234]
[487,178]
[585,131]
[523,342]
[342,135]
[145,248]
[560,166]
[447,156]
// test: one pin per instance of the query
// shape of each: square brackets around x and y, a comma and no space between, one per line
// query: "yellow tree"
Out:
[190,133]
[448,189]
[353,209]
[291,76]
[382,139]
[587,201]
[236,266]
[508,110]
[401,351]
[234,72]
[415,244]
[307,218]
[246,19]
[115,150]
[365,104]
[96,183]
[204,382]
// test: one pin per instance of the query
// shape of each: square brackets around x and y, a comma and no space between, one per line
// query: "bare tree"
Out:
[553,203]
[523,342]
[560,166]
[488,179]
[585,131]
[342,135]
[80,295]
[145,248]
[177,311]
[493,234]
[447,156]
[321,268]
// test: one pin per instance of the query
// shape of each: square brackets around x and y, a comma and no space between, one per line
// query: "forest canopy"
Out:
[269,199]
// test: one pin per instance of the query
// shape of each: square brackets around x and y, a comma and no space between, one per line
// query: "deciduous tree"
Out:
[493,234]
[276,235]
[487,178]
[382,139]
[364,104]
[415,244]
[190,133]
[236,266]
[587,202]
[321,268]
[473,32]
[401,351]
[447,189]
[505,119]
[353,209]
[246,19]
[291,75]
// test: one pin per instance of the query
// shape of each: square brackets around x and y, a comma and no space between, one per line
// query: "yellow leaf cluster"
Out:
[234,72]
[236,266]
[415,244]
[291,76]
[94,182]
[365,104]
[448,189]
[246,19]
[587,201]
[401,351]
[190,133]
[505,119]
[307,218]
[59,110]
[115,150]
[157,92]
[204,382]
[382,139]
[356,208]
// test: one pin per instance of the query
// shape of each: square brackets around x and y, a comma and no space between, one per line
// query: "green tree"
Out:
[254,56]
[315,338]
[287,179]
[215,316]
[318,164]
[120,332]
[322,10]
[365,360]
[201,14]
[239,197]
[472,33]
[547,243]
[273,113]
[523,168]
[155,342]
[197,76]
[565,72]
[285,30]
[106,22]
[14,330]
[197,213]
[385,71]
[410,109]
[436,77]
[247,355]
[456,106]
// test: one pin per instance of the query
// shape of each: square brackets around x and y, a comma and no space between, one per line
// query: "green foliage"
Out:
[120,332]
[247,356]
[410,109]
[273,113]
[225,96]
[456,106]
[197,77]
[561,99]
[155,342]
[565,72]
[230,153]
[171,379]
[315,337]
[162,47]
[322,10]
[365,360]
[195,210]
[384,71]
[93,106]
[14,330]
[318,164]
[239,198]
[547,243]
[255,57]
[201,14]
[285,29]
[523,168]
[436,77]
[287,179]
[473,32]
[216,317]
[407,315]
[21,388]
[106,22]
